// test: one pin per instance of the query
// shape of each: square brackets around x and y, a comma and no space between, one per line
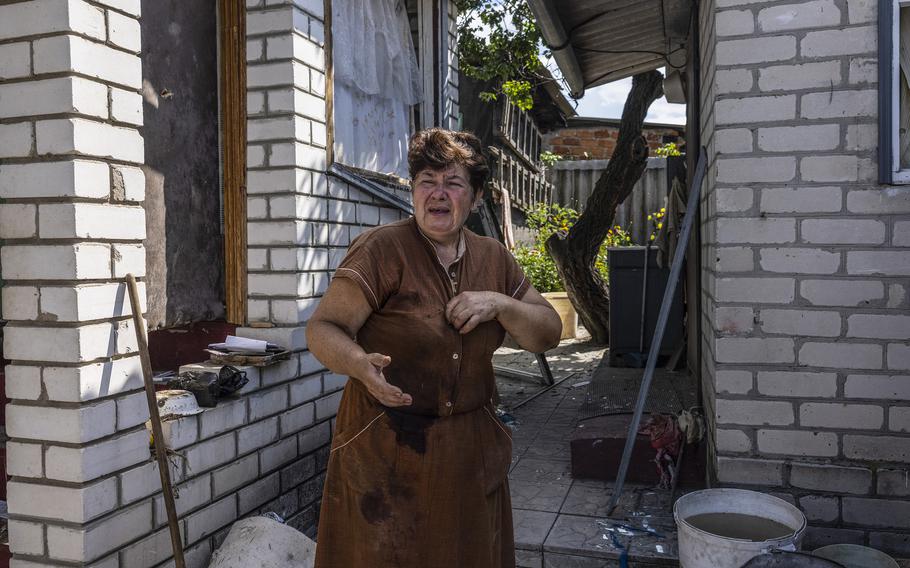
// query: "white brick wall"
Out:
[805,323]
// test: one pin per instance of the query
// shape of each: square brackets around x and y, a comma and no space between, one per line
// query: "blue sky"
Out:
[607,101]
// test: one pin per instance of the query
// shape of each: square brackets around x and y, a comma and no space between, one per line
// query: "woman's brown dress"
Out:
[422,486]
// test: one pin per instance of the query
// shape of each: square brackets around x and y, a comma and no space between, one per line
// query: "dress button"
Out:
[452,274]
[449,404]
[454,355]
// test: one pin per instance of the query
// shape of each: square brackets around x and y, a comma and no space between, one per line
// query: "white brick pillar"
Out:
[72,225]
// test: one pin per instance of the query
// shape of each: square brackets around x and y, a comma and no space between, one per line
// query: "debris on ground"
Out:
[262,542]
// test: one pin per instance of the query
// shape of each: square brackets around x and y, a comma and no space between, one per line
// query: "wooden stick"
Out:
[160,450]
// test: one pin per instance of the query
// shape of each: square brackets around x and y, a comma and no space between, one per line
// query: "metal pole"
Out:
[678,256]
[160,450]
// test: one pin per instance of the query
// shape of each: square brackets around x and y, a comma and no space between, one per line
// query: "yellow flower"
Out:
[652,237]
[650,217]
[663,209]
[660,225]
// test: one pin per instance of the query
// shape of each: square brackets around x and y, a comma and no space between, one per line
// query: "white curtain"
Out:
[376,83]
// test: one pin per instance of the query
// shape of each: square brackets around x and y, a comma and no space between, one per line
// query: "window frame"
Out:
[890,171]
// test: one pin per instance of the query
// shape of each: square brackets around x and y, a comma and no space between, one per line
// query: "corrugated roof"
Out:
[613,39]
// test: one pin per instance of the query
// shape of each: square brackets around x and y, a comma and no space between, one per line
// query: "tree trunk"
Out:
[575,254]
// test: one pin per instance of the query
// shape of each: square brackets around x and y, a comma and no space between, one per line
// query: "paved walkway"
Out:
[562,522]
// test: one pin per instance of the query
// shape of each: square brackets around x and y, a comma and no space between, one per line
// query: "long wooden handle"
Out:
[160,450]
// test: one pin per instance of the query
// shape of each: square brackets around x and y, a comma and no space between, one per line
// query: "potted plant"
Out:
[543,221]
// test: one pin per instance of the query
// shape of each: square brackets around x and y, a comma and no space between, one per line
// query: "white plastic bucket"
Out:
[702,549]
[855,556]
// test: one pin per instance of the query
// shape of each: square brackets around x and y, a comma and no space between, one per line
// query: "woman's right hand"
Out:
[374,380]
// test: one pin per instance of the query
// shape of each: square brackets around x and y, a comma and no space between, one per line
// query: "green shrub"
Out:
[546,220]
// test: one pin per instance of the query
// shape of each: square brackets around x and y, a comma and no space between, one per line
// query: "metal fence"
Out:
[573,181]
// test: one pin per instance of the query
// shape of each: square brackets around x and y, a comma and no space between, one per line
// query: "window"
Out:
[894,92]
[377,83]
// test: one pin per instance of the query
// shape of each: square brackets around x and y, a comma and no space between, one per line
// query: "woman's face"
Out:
[442,202]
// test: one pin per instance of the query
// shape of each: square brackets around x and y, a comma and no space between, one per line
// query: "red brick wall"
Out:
[596,143]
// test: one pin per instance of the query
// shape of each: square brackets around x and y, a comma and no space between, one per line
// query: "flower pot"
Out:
[562,305]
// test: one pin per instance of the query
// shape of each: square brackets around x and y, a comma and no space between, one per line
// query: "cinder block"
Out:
[877,387]
[87,302]
[799,260]
[836,415]
[735,259]
[132,410]
[878,263]
[327,406]
[797,384]
[863,70]
[272,284]
[208,520]
[734,320]
[69,53]
[123,31]
[90,221]
[23,382]
[799,138]
[210,454]
[227,416]
[290,99]
[187,496]
[53,96]
[732,441]
[771,169]
[74,344]
[842,231]
[756,230]
[257,436]
[131,7]
[126,106]
[733,140]
[86,137]
[798,16]
[841,355]
[295,46]
[757,50]
[801,76]
[749,110]
[55,262]
[820,508]
[899,356]
[797,443]
[25,537]
[843,41]
[727,81]
[297,419]
[277,233]
[128,259]
[754,412]
[298,472]
[733,382]
[877,202]
[15,60]
[179,432]
[831,478]
[877,448]
[839,104]
[733,23]
[286,19]
[829,168]
[140,482]
[95,380]
[893,482]
[235,475]
[293,338]
[17,138]
[257,494]
[800,322]
[20,303]
[276,180]
[283,74]
[268,403]
[862,137]
[70,425]
[878,326]
[801,200]
[754,350]
[332,382]
[71,504]
[884,513]
[847,293]
[76,178]
[743,471]
[734,199]
[127,183]
[50,16]
[85,463]
[899,419]
[87,543]
[293,312]
[314,438]
[758,290]
[149,551]
[278,454]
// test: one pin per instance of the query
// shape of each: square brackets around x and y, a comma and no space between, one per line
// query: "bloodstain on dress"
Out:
[423,486]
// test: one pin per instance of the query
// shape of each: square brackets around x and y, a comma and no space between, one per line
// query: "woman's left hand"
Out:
[470,309]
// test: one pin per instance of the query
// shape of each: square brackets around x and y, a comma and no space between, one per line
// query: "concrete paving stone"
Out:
[528,559]
[542,471]
[585,536]
[591,498]
[535,496]
[531,528]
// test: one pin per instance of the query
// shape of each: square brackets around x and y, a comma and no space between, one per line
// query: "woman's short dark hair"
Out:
[437,149]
